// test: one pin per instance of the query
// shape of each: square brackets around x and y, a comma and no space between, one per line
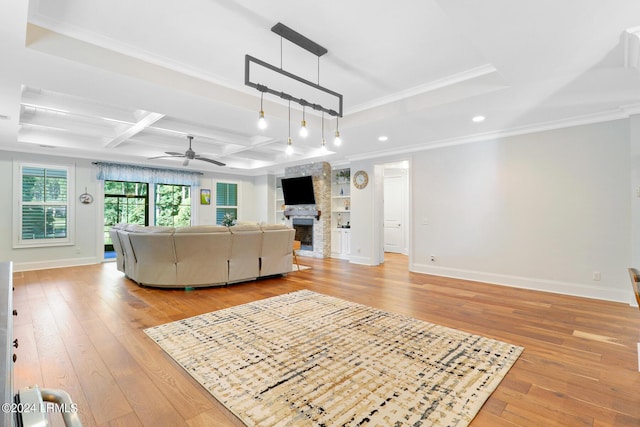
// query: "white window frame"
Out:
[18,242]
[215,198]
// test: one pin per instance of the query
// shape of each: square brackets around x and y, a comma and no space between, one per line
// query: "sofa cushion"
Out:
[136,228]
[274,227]
[202,229]
[244,227]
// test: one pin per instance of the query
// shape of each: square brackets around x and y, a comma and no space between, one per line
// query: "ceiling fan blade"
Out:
[173,153]
[164,157]
[215,162]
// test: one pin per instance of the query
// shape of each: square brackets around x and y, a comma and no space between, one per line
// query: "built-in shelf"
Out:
[340,213]
[279,201]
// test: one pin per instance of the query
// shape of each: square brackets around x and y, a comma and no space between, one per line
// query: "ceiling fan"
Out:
[188,155]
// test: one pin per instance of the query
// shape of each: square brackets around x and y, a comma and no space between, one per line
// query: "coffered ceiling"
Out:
[126,81]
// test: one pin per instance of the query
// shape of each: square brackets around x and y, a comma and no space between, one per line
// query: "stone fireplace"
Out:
[313,222]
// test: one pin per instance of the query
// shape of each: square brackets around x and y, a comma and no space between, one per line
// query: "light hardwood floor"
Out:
[80,329]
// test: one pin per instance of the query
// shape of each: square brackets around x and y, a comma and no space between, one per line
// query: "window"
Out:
[226,201]
[173,205]
[124,202]
[44,209]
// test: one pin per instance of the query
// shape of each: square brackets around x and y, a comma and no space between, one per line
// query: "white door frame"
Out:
[378,201]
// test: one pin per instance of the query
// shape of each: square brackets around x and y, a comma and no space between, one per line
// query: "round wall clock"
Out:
[360,179]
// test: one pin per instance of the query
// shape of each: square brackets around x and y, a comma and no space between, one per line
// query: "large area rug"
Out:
[309,359]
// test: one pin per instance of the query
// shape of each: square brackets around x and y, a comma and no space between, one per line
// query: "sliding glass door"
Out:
[124,202]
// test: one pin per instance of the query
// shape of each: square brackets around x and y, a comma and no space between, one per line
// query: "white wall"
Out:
[247,203]
[635,190]
[544,211]
[265,201]
[84,250]
[366,218]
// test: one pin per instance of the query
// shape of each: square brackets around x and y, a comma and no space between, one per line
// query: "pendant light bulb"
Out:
[337,140]
[262,123]
[323,144]
[304,132]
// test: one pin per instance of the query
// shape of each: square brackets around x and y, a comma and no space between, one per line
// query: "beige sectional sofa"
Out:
[205,255]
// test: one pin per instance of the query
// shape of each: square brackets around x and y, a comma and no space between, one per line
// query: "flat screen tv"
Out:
[298,191]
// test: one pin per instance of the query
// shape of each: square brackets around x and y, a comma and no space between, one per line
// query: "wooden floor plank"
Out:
[82,331]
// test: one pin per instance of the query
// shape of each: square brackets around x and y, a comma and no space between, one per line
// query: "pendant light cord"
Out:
[289,119]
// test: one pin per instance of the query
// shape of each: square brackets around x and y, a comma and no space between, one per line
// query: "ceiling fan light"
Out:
[262,122]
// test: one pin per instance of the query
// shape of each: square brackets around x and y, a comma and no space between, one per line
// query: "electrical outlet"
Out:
[596,276]
[433,258]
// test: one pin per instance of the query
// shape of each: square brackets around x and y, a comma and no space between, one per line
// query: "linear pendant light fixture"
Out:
[298,39]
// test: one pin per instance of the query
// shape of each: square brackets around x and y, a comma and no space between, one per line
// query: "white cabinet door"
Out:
[346,242]
[336,242]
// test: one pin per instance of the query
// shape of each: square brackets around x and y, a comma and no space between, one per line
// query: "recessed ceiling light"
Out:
[383,138]
[478,119]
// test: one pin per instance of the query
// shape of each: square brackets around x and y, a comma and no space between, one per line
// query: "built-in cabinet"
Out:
[341,213]
[340,243]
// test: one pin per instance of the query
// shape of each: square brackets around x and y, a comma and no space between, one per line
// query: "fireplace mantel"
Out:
[289,212]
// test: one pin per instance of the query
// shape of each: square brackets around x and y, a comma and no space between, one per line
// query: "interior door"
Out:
[394,205]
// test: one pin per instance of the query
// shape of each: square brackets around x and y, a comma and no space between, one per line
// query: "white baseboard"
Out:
[41,265]
[554,286]
[362,260]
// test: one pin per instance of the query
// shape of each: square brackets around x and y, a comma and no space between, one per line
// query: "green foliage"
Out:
[228,220]
[124,202]
[343,175]
[173,205]
[127,202]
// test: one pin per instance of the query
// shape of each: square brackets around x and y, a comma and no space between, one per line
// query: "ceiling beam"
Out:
[147,120]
